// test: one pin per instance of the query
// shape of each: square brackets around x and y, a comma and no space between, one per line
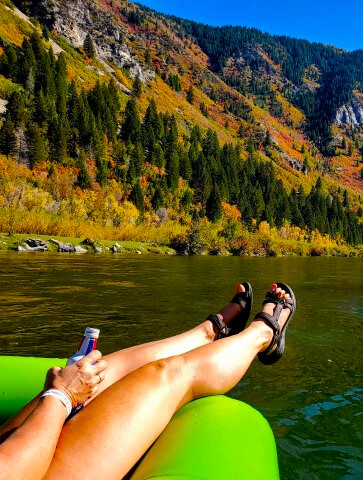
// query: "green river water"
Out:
[312,397]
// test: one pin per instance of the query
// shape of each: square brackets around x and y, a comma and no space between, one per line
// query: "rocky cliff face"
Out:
[351,113]
[74,19]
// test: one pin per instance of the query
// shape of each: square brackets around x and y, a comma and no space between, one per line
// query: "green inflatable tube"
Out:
[213,438]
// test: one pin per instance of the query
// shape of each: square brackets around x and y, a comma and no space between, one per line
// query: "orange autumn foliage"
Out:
[230,212]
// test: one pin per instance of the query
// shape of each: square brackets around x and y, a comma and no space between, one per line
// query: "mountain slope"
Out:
[116,94]
[278,74]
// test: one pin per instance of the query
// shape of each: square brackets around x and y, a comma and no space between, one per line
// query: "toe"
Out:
[240,288]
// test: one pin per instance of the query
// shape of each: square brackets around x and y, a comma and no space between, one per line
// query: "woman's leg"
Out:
[122,362]
[116,429]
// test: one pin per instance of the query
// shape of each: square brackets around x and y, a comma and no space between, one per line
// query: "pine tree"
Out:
[61,86]
[73,105]
[186,200]
[89,47]
[114,96]
[10,62]
[38,151]
[151,120]
[83,178]
[345,199]
[138,159]
[158,199]
[102,172]
[137,197]
[201,180]
[131,127]
[59,133]
[204,109]
[98,141]
[258,205]
[45,76]
[17,110]
[190,95]
[172,172]
[137,88]
[119,156]
[7,137]
[41,113]
[150,130]
[158,158]
[131,171]
[37,45]
[185,166]
[27,66]
[296,216]
[214,207]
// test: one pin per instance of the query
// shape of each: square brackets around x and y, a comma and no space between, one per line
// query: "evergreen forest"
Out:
[338,72]
[107,141]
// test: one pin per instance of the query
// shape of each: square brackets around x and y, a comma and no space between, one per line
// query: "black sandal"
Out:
[272,354]
[245,300]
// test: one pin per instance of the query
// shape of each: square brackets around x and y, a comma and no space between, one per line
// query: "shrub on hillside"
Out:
[190,244]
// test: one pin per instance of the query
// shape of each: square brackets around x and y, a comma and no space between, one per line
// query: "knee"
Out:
[169,370]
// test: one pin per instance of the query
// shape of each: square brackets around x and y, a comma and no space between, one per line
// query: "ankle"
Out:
[208,330]
[264,334]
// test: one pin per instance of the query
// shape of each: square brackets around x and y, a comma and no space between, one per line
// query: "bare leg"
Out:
[116,429]
[122,362]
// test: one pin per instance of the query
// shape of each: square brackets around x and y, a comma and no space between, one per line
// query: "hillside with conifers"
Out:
[121,123]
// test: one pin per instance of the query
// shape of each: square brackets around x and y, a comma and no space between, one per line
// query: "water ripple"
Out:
[47,300]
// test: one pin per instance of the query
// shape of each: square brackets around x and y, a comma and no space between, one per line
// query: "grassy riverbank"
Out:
[202,239]
[12,242]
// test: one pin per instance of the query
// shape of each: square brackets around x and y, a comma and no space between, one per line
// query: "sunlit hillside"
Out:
[119,122]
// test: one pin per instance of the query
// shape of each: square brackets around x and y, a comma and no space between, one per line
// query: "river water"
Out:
[312,397]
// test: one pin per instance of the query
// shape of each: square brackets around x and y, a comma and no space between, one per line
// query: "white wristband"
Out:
[61,396]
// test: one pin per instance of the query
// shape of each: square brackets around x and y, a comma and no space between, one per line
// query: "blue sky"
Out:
[334,22]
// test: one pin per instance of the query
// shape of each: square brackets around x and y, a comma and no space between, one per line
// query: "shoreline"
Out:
[32,243]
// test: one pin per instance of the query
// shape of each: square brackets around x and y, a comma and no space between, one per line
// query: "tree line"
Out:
[50,119]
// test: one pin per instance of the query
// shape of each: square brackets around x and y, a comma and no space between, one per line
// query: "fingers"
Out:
[93,366]
[93,359]
[93,356]
[100,366]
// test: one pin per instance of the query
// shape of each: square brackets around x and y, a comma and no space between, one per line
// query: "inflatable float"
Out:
[213,438]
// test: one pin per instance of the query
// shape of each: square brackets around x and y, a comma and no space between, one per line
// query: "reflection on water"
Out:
[312,397]
[336,401]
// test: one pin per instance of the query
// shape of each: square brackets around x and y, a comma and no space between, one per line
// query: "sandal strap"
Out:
[285,302]
[276,348]
[269,319]
[271,297]
[241,298]
[221,326]
[289,303]
[272,321]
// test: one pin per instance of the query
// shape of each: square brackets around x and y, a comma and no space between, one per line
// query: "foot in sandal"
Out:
[233,317]
[278,309]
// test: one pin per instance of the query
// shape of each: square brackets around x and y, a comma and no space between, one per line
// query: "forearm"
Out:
[27,453]
[14,422]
